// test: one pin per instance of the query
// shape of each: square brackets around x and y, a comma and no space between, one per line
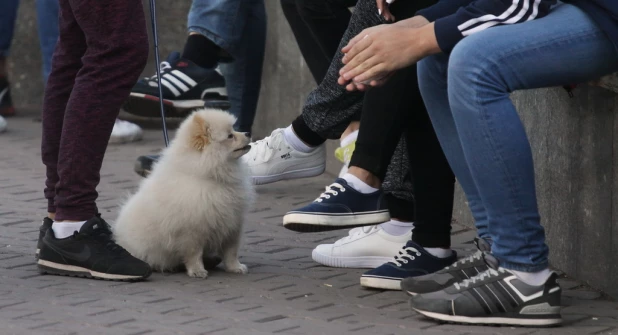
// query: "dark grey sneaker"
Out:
[46,225]
[494,297]
[90,253]
[462,269]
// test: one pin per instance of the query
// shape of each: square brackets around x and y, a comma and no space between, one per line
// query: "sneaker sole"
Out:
[148,106]
[316,223]
[47,267]
[369,262]
[381,283]
[296,174]
[490,320]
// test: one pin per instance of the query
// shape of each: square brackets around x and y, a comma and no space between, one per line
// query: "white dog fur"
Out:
[194,201]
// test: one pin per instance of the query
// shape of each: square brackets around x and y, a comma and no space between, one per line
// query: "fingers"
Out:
[362,35]
[372,75]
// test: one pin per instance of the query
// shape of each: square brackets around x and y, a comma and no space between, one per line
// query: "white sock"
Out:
[295,142]
[358,184]
[396,227]
[66,229]
[351,137]
[440,252]
[533,278]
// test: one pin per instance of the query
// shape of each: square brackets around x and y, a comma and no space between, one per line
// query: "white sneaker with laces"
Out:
[125,132]
[273,159]
[2,124]
[364,247]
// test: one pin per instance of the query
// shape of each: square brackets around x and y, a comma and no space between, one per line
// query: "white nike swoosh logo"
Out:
[3,93]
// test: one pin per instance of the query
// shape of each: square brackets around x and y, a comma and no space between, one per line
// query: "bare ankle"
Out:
[51,215]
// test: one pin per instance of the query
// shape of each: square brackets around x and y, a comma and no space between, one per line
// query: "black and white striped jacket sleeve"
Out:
[456,19]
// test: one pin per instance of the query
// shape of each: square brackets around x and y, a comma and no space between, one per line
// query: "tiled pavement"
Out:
[285,291]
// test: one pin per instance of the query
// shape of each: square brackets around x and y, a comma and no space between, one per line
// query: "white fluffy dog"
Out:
[194,201]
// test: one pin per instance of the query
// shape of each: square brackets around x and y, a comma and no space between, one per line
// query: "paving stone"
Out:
[285,292]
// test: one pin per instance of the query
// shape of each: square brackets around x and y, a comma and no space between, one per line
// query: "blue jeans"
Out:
[47,20]
[238,27]
[8,14]
[467,96]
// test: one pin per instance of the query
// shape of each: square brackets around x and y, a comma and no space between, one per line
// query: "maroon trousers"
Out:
[101,52]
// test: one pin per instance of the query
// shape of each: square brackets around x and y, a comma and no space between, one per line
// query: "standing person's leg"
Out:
[98,58]
[8,14]
[47,12]
[484,138]
[244,74]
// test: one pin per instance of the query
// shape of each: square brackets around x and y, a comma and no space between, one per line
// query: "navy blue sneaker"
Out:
[412,261]
[339,207]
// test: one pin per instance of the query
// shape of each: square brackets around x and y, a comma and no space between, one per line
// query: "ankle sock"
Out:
[440,252]
[358,184]
[201,51]
[533,278]
[351,137]
[295,142]
[66,229]
[396,227]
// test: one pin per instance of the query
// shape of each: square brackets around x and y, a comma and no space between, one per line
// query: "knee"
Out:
[474,66]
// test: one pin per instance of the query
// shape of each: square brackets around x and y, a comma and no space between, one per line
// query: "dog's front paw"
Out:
[238,268]
[197,273]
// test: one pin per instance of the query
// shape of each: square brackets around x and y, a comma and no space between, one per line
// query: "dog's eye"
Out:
[230,136]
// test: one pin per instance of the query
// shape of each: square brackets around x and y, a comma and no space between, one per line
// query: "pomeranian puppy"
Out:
[194,201]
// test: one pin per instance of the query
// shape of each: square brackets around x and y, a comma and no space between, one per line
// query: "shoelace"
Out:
[265,147]
[103,235]
[358,232]
[405,255]
[481,276]
[163,68]
[471,258]
[330,189]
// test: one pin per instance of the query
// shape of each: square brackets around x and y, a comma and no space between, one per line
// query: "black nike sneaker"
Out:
[462,269]
[494,297]
[45,226]
[90,253]
[6,103]
[185,87]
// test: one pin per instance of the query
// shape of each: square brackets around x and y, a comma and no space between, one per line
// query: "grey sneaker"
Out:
[463,269]
[494,297]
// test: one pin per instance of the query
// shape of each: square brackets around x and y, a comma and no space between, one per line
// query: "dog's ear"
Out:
[200,134]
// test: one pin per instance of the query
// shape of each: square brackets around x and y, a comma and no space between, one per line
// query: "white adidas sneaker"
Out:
[125,132]
[364,247]
[272,159]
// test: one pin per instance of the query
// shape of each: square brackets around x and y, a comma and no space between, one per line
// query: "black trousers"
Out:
[390,115]
[318,26]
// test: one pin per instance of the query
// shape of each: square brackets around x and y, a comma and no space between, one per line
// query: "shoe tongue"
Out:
[343,182]
[94,224]
[482,244]
[412,244]
[173,56]
[491,261]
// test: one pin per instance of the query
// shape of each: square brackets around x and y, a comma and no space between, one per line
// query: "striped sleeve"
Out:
[479,15]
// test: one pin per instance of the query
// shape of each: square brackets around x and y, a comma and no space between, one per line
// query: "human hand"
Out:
[378,51]
[384,10]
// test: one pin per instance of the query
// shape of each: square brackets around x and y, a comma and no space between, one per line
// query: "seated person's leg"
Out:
[327,112]
[486,145]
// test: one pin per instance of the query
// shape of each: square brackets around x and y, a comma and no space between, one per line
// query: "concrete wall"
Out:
[573,139]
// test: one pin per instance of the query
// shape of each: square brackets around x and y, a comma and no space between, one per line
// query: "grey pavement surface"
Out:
[285,291]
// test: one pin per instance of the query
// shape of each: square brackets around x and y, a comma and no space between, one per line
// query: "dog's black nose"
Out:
[248,134]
